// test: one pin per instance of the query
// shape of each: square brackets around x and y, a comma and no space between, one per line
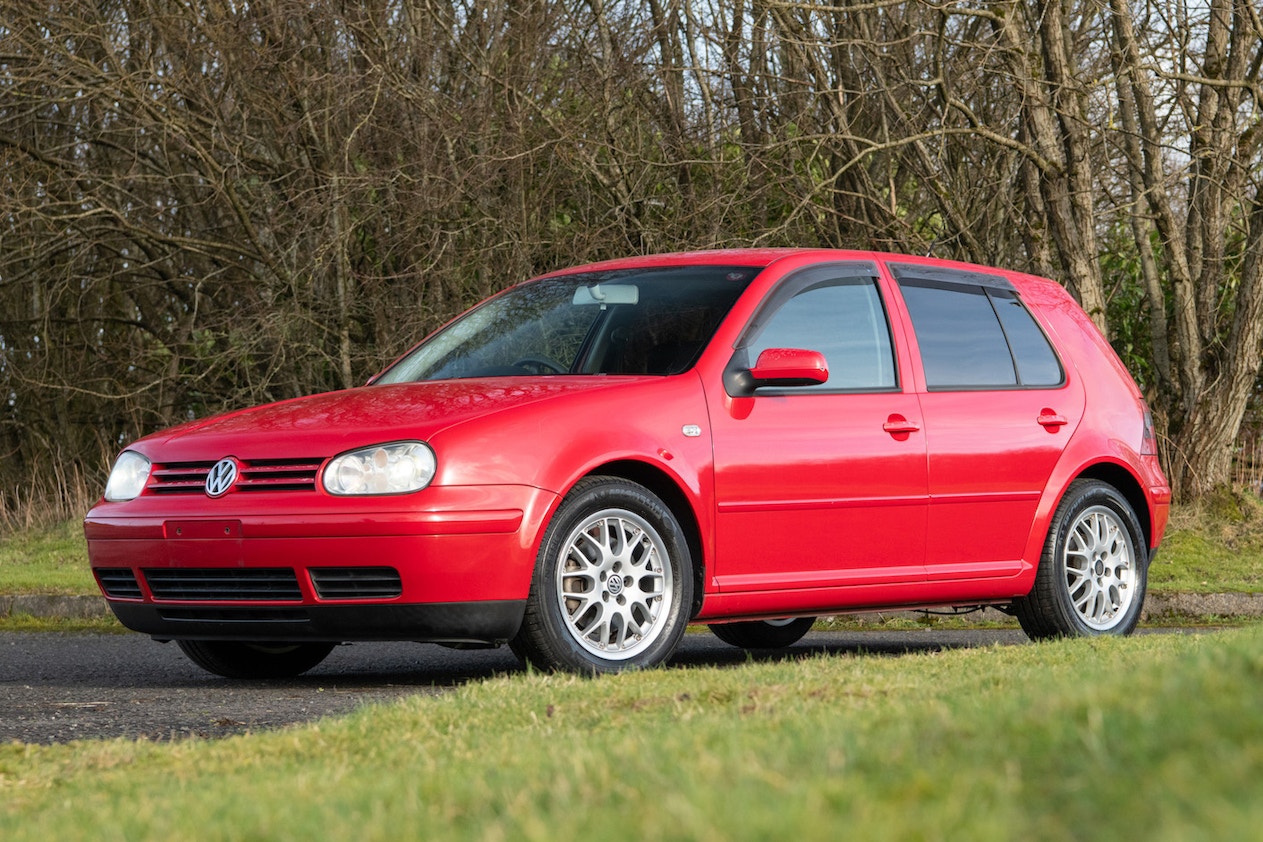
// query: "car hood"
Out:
[325,424]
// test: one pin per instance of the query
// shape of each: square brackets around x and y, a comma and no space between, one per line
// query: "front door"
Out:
[822,486]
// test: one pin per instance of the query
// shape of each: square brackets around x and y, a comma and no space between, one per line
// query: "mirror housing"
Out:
[777,368]
[789,367]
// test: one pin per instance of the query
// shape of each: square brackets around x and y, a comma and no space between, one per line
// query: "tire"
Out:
[1093,573]
[613,583]
[764,634]
[233,659]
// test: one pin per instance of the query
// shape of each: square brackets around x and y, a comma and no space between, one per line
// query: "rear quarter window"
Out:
[1036,363]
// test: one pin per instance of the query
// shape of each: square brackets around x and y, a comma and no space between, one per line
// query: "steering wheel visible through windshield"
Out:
[643,321]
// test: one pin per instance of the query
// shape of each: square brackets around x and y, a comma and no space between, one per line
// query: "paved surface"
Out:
[60,687]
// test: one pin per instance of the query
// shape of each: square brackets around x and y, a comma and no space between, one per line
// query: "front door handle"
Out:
[1051,420]
[896,424]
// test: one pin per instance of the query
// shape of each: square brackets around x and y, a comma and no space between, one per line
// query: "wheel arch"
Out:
[665,488]
[1127,485]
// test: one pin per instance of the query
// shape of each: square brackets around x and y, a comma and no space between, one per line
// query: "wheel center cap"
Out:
[614,585]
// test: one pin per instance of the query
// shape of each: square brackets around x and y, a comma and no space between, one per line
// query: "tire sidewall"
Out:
[554,643]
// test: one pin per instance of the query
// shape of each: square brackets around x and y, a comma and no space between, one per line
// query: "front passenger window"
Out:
[842,319]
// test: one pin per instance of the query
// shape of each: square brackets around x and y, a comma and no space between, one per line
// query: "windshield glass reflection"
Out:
[654,321]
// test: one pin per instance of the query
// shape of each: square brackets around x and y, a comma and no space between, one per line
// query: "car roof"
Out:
[764,257]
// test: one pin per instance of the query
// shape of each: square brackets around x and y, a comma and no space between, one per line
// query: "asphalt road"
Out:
[55,688]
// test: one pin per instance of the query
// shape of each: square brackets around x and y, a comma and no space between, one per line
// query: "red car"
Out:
[589,461]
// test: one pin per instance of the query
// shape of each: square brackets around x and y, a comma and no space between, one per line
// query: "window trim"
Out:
[948,276]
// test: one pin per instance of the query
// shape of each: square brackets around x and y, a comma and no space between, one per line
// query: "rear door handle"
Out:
[898,424]
[1051,420]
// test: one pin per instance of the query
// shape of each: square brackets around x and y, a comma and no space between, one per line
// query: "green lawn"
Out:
[51,561]
[1153,737]
[1213,547]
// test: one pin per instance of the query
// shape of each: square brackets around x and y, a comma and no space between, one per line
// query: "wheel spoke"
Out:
[1077,580]
[618,631]
[1100,606]
[599,633]
[583,603]
[598,544]
[1081,602]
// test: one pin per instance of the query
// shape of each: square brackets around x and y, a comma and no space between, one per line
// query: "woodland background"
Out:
[211,203]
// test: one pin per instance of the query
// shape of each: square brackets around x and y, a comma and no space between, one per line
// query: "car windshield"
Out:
[642,321]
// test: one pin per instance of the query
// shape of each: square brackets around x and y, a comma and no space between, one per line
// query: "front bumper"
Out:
[191,569]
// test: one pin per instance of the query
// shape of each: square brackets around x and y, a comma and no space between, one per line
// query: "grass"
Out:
[1215,546]
[105,624]
[46,560]
[1146,738]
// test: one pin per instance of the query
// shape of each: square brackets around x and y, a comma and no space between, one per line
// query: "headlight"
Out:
[396,468]
[128,478]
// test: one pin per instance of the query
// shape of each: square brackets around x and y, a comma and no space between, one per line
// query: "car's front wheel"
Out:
[1093,573]
[233,659]
[613,583]
[764,634]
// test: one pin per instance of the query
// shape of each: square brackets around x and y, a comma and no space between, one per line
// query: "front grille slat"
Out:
[254,476]
[224,585]
[356,582]
[179,477]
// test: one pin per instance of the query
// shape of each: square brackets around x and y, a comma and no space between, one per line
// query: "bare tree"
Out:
[206,205]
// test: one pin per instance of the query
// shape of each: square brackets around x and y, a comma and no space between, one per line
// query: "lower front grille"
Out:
[224,585]
[119,583]
[356,582]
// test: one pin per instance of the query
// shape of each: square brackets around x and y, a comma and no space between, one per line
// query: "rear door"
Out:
[821,486]
[999,409]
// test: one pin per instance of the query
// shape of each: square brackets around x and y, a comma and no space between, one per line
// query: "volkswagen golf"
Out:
[586,463]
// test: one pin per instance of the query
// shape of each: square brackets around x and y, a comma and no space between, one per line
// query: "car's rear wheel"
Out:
[1093,573]
[234,659]
[613,583]
[764,634]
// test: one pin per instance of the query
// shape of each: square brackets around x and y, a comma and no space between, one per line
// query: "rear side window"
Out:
[978,336]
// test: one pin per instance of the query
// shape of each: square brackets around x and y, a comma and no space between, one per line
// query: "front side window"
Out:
[844,320]
[645,321]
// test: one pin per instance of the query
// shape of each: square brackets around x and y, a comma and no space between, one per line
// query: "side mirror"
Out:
[789,367]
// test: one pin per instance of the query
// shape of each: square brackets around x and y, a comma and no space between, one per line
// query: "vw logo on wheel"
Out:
[221,477]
